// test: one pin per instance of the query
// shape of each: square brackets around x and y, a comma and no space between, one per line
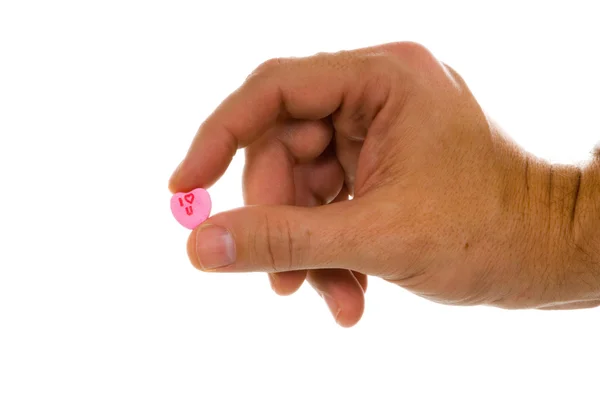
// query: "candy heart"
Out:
[191,208]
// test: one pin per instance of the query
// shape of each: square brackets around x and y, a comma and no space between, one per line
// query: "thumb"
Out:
[276,239]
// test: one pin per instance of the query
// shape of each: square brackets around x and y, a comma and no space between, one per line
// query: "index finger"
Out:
[302,88]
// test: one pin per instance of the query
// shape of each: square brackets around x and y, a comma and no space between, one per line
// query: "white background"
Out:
[98,103]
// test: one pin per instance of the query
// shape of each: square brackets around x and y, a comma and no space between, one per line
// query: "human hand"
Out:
[443,204]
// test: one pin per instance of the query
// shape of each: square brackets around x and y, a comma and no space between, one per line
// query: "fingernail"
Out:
[214,247]
[333,306]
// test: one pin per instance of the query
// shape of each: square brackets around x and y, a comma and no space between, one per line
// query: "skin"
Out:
[379,161]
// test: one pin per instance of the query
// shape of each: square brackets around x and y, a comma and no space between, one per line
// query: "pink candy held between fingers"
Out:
[190,209]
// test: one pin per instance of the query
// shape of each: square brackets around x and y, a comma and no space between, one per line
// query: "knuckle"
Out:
[416,57]
[368,97]
[267,68]
[418,62]
[273,243]
[453,73]
[378,62]
[410,50]
[384,69]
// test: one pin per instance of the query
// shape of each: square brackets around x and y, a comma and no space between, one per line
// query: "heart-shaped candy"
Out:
[191,208]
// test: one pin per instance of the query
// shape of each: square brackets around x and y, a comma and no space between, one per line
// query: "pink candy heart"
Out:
[191,208]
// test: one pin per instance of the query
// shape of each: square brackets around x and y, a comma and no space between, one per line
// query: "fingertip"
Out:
[346,312]
[342,293]
[172,187]
[173,179]
[179,182]
[287,283]
[350,315]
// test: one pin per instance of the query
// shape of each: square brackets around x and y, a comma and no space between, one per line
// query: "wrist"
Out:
[551,215]
[585,224]
[558,210]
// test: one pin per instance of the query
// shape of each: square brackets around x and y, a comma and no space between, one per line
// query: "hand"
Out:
[443,204]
